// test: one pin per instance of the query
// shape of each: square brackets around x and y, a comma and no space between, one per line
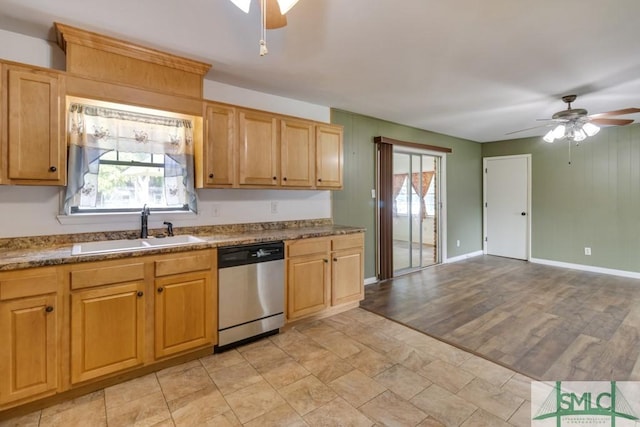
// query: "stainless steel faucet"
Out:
[144,232]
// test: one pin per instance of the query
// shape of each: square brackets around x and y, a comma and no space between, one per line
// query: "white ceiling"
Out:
[475,69]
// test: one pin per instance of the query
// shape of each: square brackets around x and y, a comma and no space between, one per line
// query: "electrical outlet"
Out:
[458,243]
[587,251]
[274,207]
[215,210]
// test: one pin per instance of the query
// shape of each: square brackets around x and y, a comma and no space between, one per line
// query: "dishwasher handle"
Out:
[233,256]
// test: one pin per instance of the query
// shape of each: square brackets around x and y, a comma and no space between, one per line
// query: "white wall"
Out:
[33,211]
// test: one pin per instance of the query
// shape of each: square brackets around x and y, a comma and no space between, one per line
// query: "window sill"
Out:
[116,217]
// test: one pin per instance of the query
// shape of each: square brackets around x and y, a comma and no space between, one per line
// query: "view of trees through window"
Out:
[130,180]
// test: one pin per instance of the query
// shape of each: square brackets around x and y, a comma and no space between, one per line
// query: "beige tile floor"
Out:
[352,369]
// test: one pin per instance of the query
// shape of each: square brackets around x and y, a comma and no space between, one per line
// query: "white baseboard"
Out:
[370,281]
[463,257]
[590,268]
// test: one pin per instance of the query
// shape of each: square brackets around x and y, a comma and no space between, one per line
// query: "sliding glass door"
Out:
[415,213]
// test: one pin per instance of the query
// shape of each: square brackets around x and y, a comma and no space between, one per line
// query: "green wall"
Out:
[354,205]
[592,202]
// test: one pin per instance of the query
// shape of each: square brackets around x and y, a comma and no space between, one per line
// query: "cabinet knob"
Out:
[335,260]
[284,179]
[53,169]
[140,293]
[210,175]
[275,177]
[326,260]
[319,179]
[160,289]
[48,309]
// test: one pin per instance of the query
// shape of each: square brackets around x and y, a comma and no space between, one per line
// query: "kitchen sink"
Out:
[125,245]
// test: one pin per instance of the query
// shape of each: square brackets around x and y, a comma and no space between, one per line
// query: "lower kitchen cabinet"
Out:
[30,317]
[347,269]
[323,273]
[307,285]
[183,313]
[107,330]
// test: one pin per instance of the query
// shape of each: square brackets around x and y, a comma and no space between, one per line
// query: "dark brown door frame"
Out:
[384,148]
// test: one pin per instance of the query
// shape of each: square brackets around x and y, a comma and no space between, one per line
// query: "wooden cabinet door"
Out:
[184,316]
[29,349]
[36,146]
[107,330]
[307,285]
[258,149]
[218,166]
[328,157]
[297,153]
[347,281]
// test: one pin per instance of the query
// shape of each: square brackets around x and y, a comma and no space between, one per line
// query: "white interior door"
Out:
[507,206]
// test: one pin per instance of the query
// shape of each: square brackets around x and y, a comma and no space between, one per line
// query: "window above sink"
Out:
[123,157]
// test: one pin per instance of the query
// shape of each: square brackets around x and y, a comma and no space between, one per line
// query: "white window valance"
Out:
[110,129]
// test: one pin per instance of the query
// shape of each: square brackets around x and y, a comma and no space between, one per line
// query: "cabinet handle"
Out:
[275,177]
[335,260]
[326,260]
[140,293]
[319,179]
[48,309]
[160,289]
[210,175]
[53,169]
[284,179]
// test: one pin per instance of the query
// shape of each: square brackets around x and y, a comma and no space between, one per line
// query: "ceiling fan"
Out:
[574,124]
[274,10]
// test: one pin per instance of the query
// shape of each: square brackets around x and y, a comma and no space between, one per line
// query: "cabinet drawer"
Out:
[28,283]
[347,242]
[106,275]
[307,247]
[184,264]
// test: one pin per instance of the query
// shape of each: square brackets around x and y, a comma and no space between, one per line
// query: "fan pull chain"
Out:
[263,29]
[569,152]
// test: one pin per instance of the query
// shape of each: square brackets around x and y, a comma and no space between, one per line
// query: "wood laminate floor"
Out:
[546,322]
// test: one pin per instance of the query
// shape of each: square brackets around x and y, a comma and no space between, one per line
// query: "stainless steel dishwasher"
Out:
[250,292]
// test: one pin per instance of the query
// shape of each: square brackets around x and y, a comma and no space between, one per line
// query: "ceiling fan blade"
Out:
[523,130]
[616,113]
[611,122]
[274,18]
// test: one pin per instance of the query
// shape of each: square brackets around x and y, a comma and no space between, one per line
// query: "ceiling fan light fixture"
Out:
[549,137]
[579,135]
[559,131]
[243,5]
[590,129]
[286,5]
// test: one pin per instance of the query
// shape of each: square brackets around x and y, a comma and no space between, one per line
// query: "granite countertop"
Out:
[42,251]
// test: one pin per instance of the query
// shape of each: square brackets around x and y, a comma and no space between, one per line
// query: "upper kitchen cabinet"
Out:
[108,59]
[297,153]
[329,157]
[258,149]
[33,145]
[215,164]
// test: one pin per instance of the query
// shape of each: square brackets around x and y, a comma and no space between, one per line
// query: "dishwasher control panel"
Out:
[231,256]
